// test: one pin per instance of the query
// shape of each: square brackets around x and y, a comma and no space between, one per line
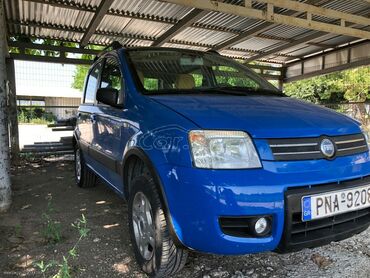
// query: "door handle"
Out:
[93,118]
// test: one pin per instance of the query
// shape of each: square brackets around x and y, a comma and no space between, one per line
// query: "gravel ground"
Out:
[106,252]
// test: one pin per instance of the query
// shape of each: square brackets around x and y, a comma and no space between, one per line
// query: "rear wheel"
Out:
[83,175]
[154,248]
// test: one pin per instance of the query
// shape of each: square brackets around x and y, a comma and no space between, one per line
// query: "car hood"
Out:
[260,116]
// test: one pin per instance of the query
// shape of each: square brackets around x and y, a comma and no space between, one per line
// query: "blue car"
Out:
[212,158]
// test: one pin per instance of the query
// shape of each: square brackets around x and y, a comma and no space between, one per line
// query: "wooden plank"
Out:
[98,17]
[364,62]
[275,18]
[46,59]
[311,9]
[187,21]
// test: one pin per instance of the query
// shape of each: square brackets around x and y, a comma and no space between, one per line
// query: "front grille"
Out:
[299,234]
[309,148]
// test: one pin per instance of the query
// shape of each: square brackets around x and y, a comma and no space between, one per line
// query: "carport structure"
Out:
[281,33]
[286,40]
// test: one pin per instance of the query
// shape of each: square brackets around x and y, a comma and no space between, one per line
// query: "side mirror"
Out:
[108,96]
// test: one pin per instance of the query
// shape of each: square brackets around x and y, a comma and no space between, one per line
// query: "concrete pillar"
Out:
[12,111]
[5,192]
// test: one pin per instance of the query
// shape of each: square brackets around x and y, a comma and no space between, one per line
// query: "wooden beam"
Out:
[274,17]
[47,59]
[256,31]
[66,5]
[333,50]
[187,21]
[276,50]
[363,62]
[72,5]
[97,18]
[245,36]
[314,10]
[56,48]
[314,36]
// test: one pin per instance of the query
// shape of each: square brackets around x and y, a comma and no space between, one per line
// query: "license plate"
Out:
[335,202]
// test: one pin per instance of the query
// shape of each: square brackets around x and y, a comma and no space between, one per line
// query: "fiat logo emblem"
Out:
[327,148]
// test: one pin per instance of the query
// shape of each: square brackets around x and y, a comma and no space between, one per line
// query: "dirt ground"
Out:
[106,252]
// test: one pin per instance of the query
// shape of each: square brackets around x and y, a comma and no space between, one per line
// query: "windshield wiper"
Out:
[219,91]
[249,91]
[243,91]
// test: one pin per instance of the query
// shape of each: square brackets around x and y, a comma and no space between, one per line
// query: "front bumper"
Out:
[196,198]
[298,234]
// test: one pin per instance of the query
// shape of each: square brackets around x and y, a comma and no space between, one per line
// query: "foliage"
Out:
[52,229]
[64,269]
[350,85]
[81,70]
[35,115]
[79,77]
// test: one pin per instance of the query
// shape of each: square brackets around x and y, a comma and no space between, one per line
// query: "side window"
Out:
[111,77]
[92,84]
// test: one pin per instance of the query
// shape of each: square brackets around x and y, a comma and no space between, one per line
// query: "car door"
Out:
[111,132]
[85,119]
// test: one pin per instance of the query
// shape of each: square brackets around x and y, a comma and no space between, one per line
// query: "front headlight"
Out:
[217,149]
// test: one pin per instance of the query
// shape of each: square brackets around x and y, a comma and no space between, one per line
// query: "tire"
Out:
[84,177]
[164,258]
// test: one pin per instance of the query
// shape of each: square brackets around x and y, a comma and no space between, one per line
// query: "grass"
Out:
[52,228]
[64,269]
[35,115]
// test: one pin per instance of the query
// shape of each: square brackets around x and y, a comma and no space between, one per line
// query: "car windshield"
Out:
[184,72]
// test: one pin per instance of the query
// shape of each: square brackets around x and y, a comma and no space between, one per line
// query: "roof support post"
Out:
[12,111]
[98,17]
[5,192]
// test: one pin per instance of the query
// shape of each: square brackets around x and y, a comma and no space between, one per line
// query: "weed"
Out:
[64,270]
[18,230]
[52,229]
[43,267]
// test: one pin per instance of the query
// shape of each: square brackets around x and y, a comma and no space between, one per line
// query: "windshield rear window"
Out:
[174,71]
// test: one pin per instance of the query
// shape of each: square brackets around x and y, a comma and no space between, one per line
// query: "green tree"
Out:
[350,85]
[81,70]
[79,77]
[356,84]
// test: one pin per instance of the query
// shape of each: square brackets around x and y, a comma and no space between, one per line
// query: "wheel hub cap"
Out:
[142,221]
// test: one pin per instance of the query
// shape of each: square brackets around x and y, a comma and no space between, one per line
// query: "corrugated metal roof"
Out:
[133,26]
[259,44]
[196,35]
[141,22]
[286,32]
[228,21]
[161,9]
[175,45]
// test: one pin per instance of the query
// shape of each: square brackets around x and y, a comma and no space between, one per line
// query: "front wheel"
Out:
[83,175]
[154,248]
